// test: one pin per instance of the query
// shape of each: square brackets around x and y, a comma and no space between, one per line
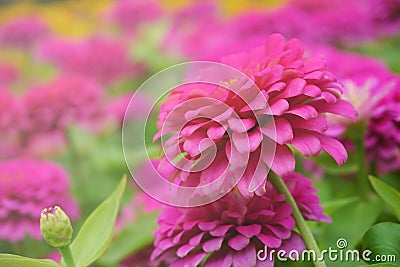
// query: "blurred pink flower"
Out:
[196,31]
[129,14]
[116,107]
[11,120]
[366,82]
[8,74]
[23,32]
[296,91]
[383,134]
[231,230]
[26,188]
[65,100]
[100,58]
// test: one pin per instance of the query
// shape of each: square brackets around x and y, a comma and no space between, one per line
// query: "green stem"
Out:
[362,180]
[301,224]
[67,256]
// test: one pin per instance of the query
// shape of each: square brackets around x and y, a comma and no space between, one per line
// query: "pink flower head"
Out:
[23,32]
[287,107]
[383,134]
[129,14]
[26,188]
[366,82]
[67,99]
[100,58]
[231,230]
[303,193]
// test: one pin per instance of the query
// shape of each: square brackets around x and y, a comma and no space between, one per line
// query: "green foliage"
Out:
[390,195]
[9,260]
[383,239]
[134,237]
[96,233]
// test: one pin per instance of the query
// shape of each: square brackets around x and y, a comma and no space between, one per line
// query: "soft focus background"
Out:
[69,68]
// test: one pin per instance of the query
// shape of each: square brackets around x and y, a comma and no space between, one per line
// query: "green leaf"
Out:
[134,237]
[97,231]
[390,195]
[383,239]
[11,260]
[350,222]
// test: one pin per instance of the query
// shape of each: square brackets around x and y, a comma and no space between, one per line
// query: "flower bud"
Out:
[56,227]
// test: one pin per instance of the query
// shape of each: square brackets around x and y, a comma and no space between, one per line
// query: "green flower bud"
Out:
[55,227]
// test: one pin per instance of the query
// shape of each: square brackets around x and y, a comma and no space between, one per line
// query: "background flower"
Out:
[231,230]
[27,187]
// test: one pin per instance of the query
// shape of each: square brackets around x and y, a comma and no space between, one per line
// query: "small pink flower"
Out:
[99,58]
[65,100]
[382,140]
[366,80]
[230,230]
[23,32]
[303,193]
[26,188]
[293,89]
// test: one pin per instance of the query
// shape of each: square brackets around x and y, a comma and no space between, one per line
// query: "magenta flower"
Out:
[100,58]
[382,140]
[293,89]
[129,14]
[65,100]
[26,188]
[23,32]
[303,193]
[366,82]
[231,230]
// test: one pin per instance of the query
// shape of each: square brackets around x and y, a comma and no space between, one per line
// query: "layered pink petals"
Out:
[254,124]
[231,230]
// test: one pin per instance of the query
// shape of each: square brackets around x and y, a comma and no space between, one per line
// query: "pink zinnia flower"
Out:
[293,89]
[231,230]
[383,134]
[26,188]
[100,58]
[303,193]
[366,82]
[23,32]
[65,100]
